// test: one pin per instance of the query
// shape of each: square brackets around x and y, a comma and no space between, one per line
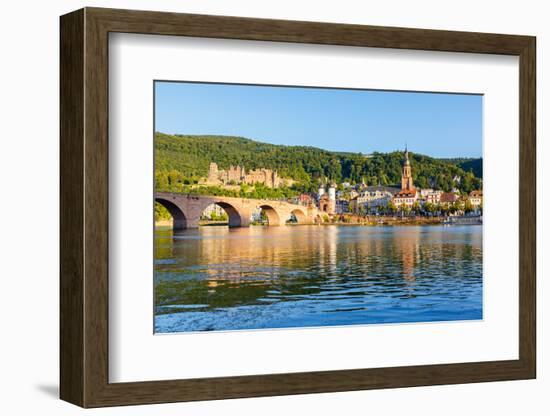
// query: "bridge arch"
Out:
[273,217]
[235,219]
[178,216]
[300,216]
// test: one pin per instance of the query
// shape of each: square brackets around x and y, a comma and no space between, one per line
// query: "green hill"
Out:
[187,158]
[474,165]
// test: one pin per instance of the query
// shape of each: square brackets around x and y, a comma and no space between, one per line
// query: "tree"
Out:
[161,213]
[458,205]
[430,208]
[182,160]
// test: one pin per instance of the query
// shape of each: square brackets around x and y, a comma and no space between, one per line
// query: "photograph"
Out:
[293,207]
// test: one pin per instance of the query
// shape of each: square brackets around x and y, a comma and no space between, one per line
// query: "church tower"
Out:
[406,176]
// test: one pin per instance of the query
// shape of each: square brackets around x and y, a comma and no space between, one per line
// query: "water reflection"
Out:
[216,278]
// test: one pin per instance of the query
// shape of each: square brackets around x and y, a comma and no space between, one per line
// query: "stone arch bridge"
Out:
[186,210]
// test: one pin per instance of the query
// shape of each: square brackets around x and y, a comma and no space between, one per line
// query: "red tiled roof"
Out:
[448,197]
[406,193]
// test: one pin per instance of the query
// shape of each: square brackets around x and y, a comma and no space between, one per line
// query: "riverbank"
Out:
[164,223]
[169,223]
[377,220]
[391,221]
[347,221]
[365,222]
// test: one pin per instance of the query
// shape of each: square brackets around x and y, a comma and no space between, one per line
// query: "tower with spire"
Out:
[408,194]
[406,176]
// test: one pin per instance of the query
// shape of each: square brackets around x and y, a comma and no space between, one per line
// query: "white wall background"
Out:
[29,158]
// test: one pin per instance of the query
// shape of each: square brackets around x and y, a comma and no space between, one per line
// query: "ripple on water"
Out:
[252,278]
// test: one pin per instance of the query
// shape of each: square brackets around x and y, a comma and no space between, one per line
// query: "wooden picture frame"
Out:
[84,207]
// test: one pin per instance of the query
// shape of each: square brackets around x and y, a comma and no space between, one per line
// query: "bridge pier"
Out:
[179,224]
[235,221]
[245,222]
[193,223]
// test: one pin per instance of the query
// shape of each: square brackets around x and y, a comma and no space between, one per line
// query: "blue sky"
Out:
[439,125]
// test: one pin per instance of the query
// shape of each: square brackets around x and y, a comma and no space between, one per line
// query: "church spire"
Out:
[406,177]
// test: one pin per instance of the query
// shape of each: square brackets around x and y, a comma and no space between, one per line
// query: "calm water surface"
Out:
[216,278]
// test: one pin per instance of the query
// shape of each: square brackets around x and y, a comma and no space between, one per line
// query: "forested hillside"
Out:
[474,165]
[186,159]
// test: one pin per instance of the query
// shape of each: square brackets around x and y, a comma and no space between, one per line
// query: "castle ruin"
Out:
[237,175]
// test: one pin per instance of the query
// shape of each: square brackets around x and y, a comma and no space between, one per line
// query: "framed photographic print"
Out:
[256,207]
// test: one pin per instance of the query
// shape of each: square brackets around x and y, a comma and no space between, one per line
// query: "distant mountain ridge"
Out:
[190,155]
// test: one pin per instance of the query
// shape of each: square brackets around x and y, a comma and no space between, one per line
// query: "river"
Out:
[217,278]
